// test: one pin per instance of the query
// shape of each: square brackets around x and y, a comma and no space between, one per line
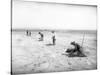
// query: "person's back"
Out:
[77,47]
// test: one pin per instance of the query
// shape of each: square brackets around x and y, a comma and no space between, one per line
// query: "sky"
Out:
[42,15]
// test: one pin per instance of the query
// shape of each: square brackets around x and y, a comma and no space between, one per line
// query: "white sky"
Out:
[36,15]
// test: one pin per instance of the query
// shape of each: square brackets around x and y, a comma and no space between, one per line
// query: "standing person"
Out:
[28,33]
[53,38]
[42,36]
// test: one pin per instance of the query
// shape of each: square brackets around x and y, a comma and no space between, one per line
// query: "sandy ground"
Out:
[32,56]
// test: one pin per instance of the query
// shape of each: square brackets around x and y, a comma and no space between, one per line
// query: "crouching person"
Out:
[41,36]
[75,50]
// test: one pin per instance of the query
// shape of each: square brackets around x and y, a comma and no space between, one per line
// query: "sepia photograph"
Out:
[52,37]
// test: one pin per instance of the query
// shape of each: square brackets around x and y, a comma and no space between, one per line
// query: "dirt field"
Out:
[32,56]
